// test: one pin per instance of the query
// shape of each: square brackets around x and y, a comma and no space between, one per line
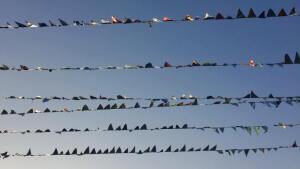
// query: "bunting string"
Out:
[151,149]
[152,104]
[187,19]
[249,96]
[257,129]
[195,64]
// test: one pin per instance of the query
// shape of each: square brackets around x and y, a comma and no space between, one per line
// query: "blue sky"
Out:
[221,41]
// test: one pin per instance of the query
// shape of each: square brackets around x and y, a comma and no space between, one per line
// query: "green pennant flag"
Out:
[257,129]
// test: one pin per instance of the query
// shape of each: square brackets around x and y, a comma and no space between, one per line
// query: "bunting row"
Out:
[152,104]
[151,149]
[188,18]
[249,96]
[252,63]
[257,129]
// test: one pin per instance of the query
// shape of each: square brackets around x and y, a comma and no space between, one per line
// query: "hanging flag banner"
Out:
[187,19]
[256,129]
[195,64]
[249,96]
[151,149]
[152,104]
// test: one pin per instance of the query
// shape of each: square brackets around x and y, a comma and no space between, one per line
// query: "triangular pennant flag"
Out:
[219,16]
[253,95]
[188,18]
[55,152]
[144,127]
[282,13]
[149,65]
[287,59]
[85,108]
[246,151]
[119,150]
[114,106]
[169,149]
[262,150]
[191,149]
[107,107]
[240,14]
[137,105]
[110,127]
[249,130]
[74,151]
[112,151]
[293,12]
[277,103]
[271,13]
[127,20]
[183,149]
[252,104]
[295,144]
[42,24]
[153,150]
[297,58]
[28,153]
[147,150]
[20,25]
[122,106]
[251,13]
[214,148]
[87,150]
[105,151]
[100,107]
[262,14]
[93,151]
[51,23]
[115,20]
[62,22]
[207,17]
[133,150]
[206,148]
[125,127]
[257,129]
[265,128]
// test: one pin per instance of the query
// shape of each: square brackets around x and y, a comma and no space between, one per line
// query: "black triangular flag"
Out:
[293,12]
[240,14]
[297,58]
[219,16]
[282,13]
[251,13]
[262,14]
[87,150]
[287,59]
[271,13]
[110,127]
[55,152]
[168,149]
[206,148]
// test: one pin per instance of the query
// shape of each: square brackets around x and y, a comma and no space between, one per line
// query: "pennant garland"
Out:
[115,21]
[166,65]
[150,149]
[249,96]
[258,129]
[152,104]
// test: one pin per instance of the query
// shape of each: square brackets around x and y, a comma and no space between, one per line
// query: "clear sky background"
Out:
[221,41]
